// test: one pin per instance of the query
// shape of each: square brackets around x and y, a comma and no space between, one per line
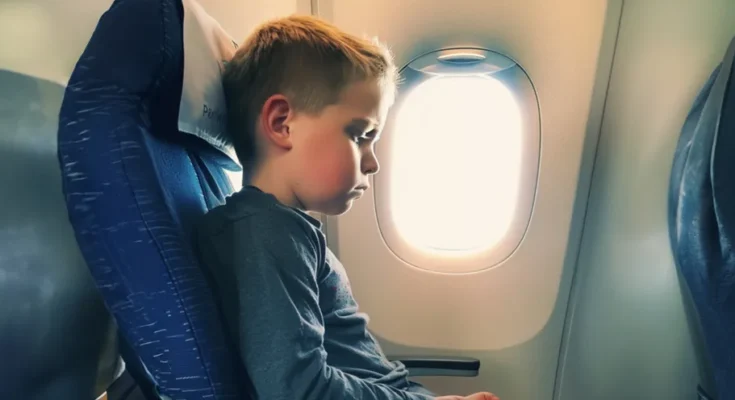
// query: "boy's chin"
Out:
[337,208]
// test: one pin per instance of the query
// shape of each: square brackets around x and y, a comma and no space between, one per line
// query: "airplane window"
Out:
[459,161]
[457,164]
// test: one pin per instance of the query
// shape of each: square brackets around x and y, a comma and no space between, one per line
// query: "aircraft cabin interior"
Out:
[552,219]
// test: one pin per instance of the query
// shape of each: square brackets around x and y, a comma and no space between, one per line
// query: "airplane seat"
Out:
[702,220]
[50,311]
[134,184]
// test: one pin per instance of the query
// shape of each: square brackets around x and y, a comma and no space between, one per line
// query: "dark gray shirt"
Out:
[288,303]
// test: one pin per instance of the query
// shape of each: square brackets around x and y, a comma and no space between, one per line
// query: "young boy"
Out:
[306,103]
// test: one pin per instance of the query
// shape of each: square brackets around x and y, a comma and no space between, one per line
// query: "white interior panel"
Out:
[510,316]
[238,18]
[44,38]
[628,335]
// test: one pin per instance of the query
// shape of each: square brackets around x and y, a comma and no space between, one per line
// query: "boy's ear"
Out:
[274,116]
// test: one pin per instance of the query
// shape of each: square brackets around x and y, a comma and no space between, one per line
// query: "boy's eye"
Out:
[360,137]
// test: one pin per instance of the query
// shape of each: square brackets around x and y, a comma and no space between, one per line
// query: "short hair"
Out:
[304,58]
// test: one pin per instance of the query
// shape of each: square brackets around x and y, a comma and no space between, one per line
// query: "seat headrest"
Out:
[207,48]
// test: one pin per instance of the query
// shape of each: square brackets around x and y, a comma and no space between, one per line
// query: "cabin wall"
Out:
[628,335]
[44,38]
[509,315]
[238,18]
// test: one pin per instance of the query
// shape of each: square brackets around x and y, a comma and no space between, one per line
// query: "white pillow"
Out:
[207,47]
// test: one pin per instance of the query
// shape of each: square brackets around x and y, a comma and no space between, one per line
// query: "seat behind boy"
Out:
[133,185]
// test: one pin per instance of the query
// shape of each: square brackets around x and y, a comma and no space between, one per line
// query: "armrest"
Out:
[440,366]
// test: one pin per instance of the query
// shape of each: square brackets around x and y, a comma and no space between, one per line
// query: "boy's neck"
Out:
[270,181]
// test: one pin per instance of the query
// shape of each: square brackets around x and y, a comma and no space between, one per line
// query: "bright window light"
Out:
[456,164]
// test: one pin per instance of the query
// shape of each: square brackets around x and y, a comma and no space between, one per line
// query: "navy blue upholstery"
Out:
[134,186]
[702,218]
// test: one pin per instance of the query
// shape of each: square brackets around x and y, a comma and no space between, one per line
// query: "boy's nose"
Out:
[370,164]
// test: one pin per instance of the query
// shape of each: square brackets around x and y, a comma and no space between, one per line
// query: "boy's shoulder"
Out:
[258,210]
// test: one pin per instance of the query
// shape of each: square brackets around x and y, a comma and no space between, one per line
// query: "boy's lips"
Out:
[358,191]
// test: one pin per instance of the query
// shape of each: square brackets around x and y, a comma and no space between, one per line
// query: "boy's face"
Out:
[334,151]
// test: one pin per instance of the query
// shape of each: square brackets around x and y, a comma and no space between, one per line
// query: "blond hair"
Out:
[304,58]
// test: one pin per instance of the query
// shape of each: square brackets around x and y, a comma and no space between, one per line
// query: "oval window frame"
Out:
[462,61]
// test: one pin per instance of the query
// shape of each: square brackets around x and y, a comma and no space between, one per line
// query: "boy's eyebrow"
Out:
[364,123]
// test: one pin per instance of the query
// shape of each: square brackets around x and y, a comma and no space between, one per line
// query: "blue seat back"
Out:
[134,186]
[702,218]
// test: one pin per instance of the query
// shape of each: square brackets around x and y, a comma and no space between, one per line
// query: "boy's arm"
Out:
[281,327]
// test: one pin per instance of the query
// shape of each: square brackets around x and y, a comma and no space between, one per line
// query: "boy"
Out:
[306,103]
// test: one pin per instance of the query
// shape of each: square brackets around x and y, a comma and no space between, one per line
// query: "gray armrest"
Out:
[440,366]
